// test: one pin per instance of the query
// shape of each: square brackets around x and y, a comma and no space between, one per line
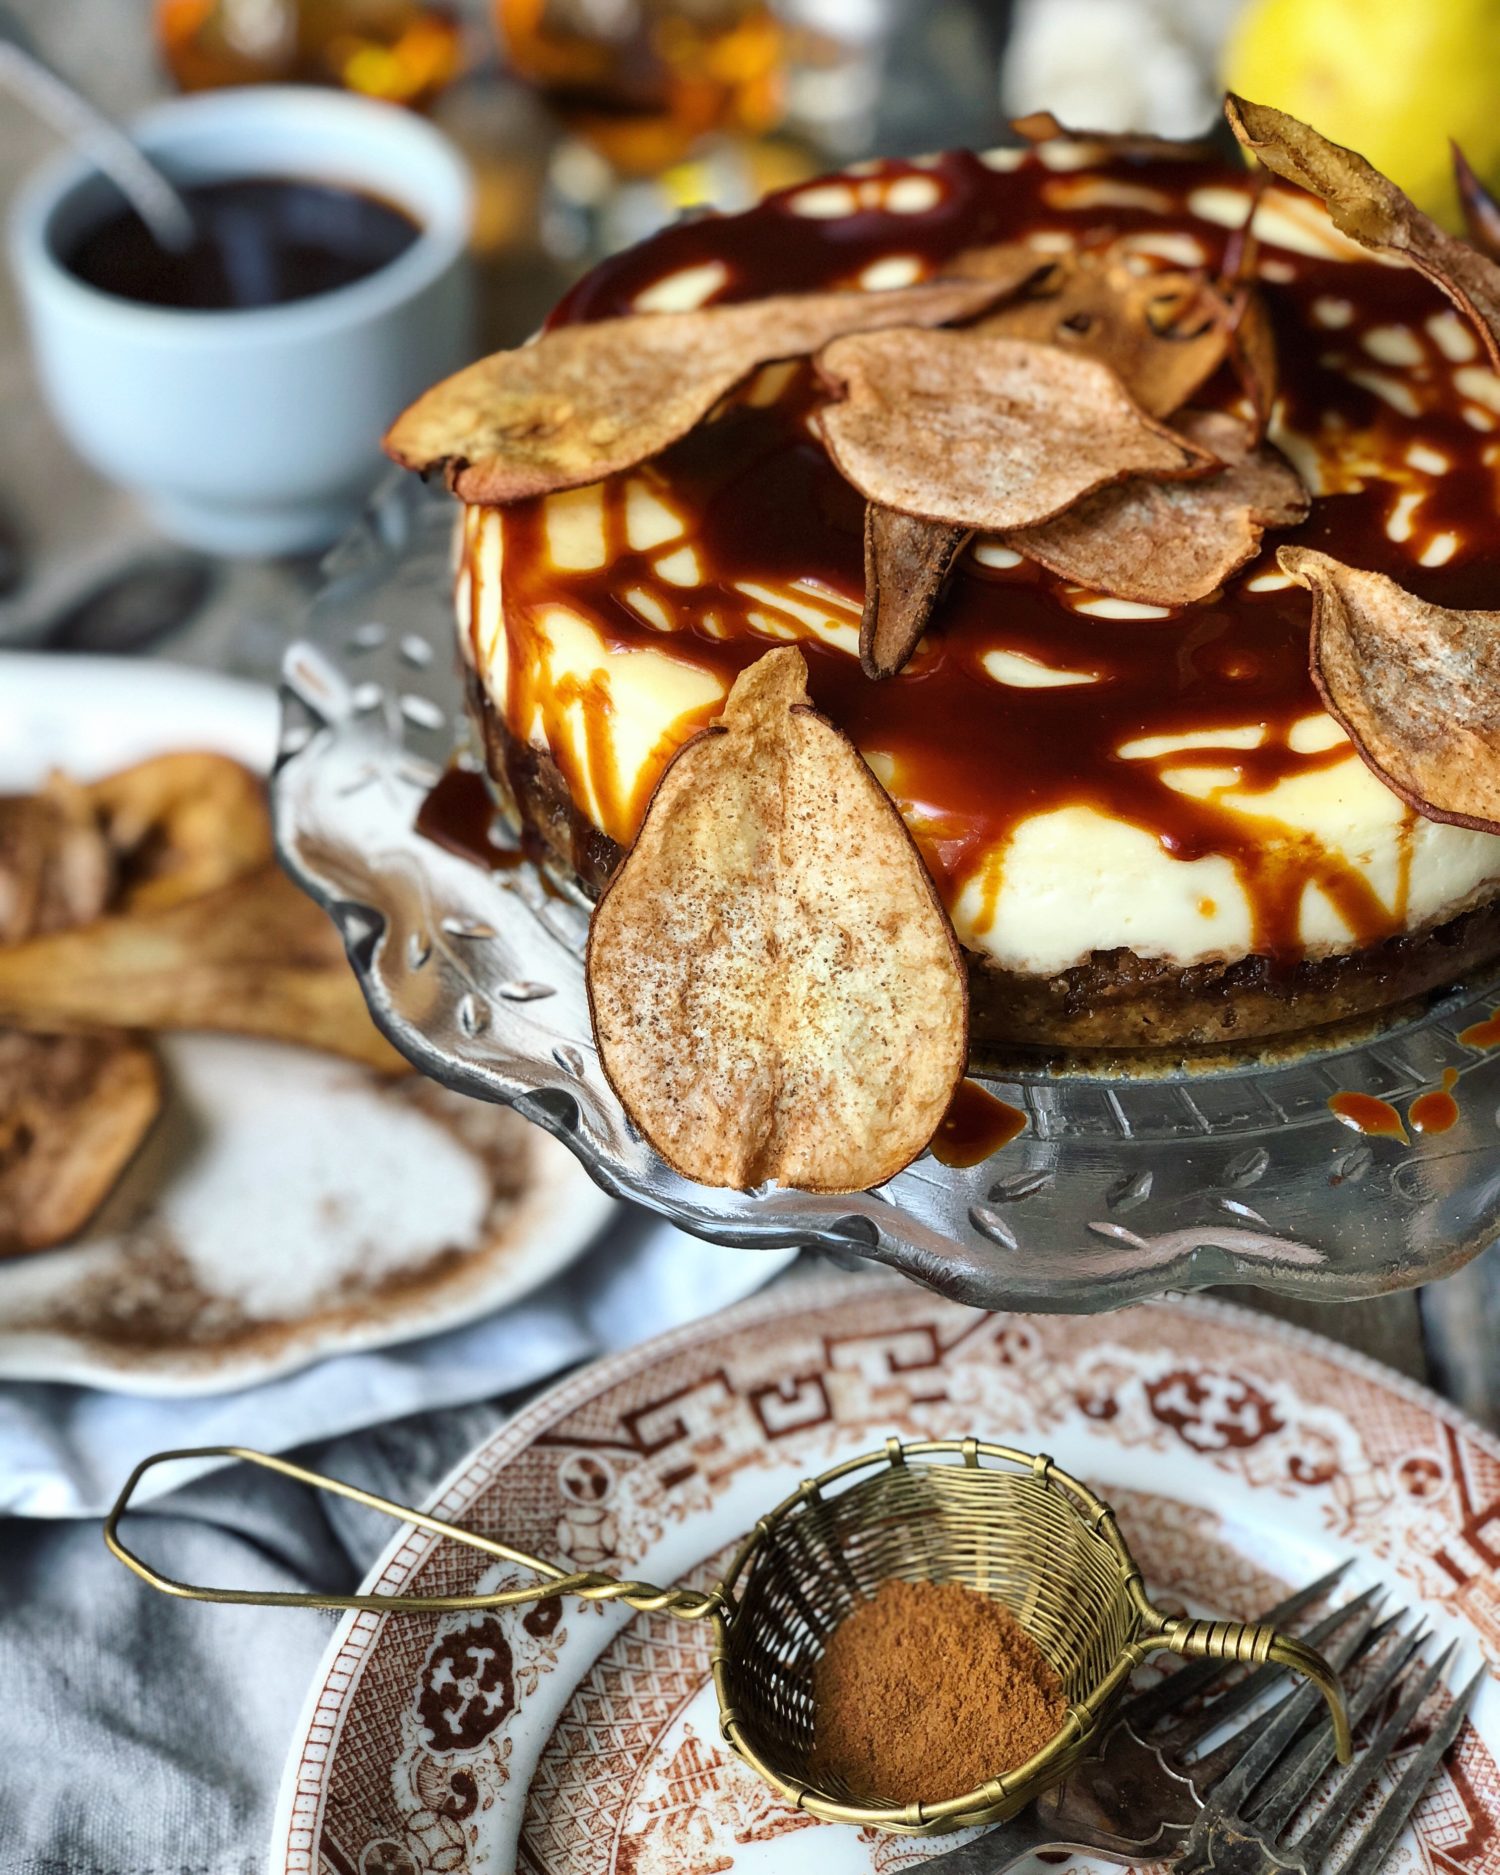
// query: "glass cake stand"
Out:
[1122,1185]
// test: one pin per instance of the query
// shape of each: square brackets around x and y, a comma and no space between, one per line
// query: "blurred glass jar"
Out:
[646,82]
[406,51]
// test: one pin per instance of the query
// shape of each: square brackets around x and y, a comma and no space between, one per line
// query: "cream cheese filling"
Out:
[1067,882]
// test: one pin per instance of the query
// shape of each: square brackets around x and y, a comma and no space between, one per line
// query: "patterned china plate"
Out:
[286,1206]
[1119,1188]
[1243,1457]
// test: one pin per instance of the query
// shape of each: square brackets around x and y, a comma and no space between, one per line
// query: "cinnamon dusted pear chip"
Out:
[180,824]
[73,1110]
[1252,353]
[587,400]
[776,990]
[1481,210]
[1137,145]
[1163,334]
[907,563]
[1011,264]
[1371,210]
[985,432]
[1169,543]
[1416,686]
[254,957]
[56,867]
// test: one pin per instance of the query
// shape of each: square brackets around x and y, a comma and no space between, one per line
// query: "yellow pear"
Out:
[1389,78]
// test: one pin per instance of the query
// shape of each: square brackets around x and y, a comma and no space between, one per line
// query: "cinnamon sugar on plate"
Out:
[927,1690]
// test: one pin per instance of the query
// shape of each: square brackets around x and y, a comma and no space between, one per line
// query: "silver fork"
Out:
[1254,1818]
[1151,1791]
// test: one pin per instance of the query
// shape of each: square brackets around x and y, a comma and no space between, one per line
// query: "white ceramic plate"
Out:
[286,1206]
[1242,1456]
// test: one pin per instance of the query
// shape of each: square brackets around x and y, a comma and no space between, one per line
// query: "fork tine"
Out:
[1240,1764]
[1380,1834]
[1309,1760]
[1197,1725]
[1312,1847]
[1356,1648]
[1145,1708]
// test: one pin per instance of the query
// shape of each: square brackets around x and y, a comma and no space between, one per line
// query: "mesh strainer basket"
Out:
[1006,1523]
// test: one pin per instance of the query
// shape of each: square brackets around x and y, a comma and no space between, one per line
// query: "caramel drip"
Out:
[534,694]
[458,814]
[1484,1034]
[466,575]
[1437,1110]
[976,1126]
[1365,1113]
[970,759]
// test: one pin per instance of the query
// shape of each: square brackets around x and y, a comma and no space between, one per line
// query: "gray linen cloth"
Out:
[145,1736]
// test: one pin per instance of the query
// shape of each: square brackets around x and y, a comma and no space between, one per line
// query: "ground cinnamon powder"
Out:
[927,1690]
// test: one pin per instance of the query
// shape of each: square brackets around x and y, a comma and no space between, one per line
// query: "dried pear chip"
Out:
[1129,145]
[1416,686]
[1371,210]
[985,432]
[181,824]
[907,563]
[585,401]
[1169,543]
[56,867]
[1011,264]
[1481,210]
[73,1110]
[1163,334]
[255,957]
[1252,353]
[776,991]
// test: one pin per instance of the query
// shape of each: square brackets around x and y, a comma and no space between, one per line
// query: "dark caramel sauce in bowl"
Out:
[262,241]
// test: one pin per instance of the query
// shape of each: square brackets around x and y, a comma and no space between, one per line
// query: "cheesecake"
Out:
[1144,823]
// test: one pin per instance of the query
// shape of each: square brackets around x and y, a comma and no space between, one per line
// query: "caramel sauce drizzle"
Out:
[1368,1114]
[458,814]
[971,758]
[975,1127]
[1436,1110]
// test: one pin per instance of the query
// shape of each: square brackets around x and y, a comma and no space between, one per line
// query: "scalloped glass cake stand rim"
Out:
[1118,1189]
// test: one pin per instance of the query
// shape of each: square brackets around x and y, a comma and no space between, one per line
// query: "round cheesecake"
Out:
[1144,826]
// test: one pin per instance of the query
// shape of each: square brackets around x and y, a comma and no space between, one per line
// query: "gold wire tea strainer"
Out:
[1015,1528]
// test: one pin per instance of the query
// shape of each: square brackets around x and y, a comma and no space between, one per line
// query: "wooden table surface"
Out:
[73,529]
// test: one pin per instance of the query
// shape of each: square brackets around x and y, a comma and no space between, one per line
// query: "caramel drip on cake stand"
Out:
[1484,1034]
[975,1127]
[458,814]
[1435,1111]
[1368,1114]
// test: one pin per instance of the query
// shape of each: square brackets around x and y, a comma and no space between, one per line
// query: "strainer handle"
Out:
[590,1585]
[1258,1645]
